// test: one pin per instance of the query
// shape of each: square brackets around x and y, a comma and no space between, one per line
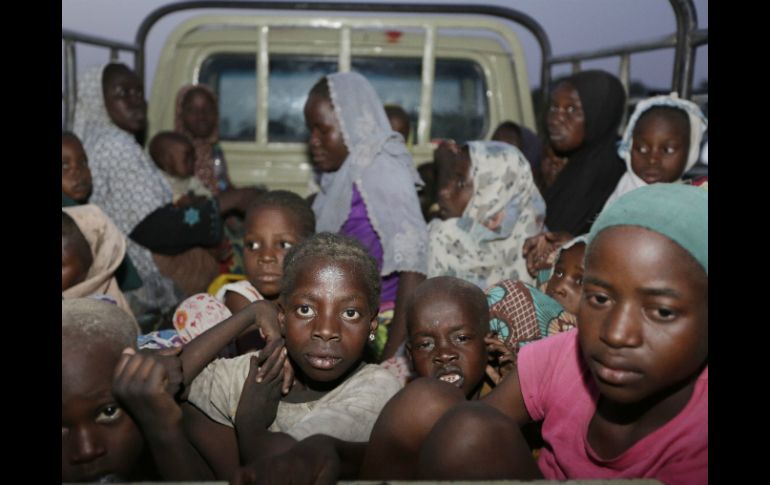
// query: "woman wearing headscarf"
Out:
[368,190]
[110,112]
[197,117]
[480,238]
[582,125]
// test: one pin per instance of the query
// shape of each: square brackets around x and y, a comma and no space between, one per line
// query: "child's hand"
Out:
[267,321]
[538,248]
[261,390]
[169,358]
[500,358]
[141,383]
[310,461]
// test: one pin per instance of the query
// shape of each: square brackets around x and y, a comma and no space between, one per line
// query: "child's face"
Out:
[74,268]
[270,232]
[124,100]
[327,319]
[99,438]
[660,147]
[643,321]
[180,159]
[75,174]
[326,143]
[566,283]
[446,341]
[566,119]
[455,184]
[199,114]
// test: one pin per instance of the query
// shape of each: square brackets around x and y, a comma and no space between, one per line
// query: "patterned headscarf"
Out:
[465,247]
[108,248]
[127,184]
[204,160]
[698,126]
[383,171]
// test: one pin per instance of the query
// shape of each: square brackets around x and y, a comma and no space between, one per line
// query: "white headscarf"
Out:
[466,247]
[698,126]
[127,184]
[384,173]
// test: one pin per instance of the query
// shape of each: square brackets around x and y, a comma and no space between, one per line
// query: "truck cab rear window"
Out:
[459,93]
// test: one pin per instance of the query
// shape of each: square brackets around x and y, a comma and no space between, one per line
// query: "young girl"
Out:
[367,181]
[275,222]
[661,142]
[197,116]
[489,205]
[327,311]
[626,394]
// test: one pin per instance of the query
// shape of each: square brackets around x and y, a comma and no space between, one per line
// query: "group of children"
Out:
[331,289]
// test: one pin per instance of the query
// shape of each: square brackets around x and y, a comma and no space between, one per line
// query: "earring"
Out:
[371,337]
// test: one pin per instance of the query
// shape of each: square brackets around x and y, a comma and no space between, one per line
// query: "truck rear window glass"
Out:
[459,93]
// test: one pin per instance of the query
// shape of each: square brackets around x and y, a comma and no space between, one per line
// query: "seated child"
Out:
[447,324]
[399,121]
[661,142]
[327,311]
[100,440]
[76,182]
[174,155]
[565,284]
[524,139]
[489,206]
[93,249]
[275,222]
[625,395]
[447,321]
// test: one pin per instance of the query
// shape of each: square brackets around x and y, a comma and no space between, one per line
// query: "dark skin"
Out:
[566,283]
[565,119]
[447,321]
[661,143]
[75,175]
[326,320]
[643,332]
[146,383]
[124,98]
[199,113]
[455,183]
[537,249]
[551,166]
[326,143]
[508,135]
[329,152]
[76,260]
[269,234]
[99,437]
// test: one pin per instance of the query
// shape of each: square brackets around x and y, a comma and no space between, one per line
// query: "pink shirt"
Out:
[558,388]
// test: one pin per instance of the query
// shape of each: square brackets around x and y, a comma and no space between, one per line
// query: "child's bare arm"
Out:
[407,282]
[140,383]
[202,350]
[258,406]
[215,442]
[508,399]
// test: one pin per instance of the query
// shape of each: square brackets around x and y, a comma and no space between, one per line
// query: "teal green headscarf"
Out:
[679,212]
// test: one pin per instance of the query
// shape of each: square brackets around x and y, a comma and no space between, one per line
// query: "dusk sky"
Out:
[572,25]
